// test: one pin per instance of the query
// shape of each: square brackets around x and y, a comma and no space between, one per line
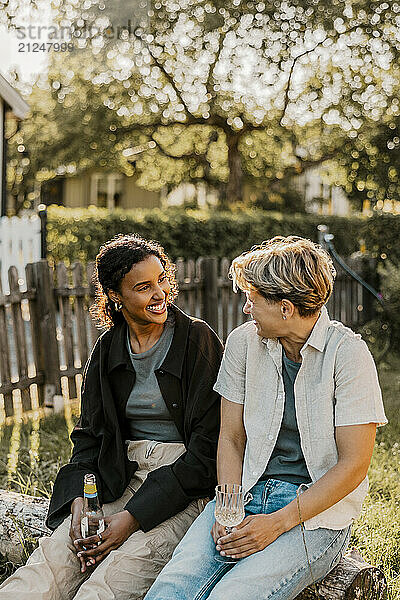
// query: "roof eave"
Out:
[17,104]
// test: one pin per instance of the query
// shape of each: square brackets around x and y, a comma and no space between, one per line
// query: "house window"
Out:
[106,190]
[102,191]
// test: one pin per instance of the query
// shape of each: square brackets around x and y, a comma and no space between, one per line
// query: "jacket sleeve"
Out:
[169,489]
[86,444]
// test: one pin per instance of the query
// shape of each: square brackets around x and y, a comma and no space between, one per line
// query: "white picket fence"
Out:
[19,245]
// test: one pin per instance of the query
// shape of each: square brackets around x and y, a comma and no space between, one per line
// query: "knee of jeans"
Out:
[202,503]
[209,509]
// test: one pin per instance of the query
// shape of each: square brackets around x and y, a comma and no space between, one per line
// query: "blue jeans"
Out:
[280,571]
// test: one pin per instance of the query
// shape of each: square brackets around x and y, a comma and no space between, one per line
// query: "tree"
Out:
[229,90]
[372,163]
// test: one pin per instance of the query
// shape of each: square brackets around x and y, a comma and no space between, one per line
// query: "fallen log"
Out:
[22,524]
[352,579]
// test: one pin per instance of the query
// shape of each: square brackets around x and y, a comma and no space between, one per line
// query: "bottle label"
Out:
[85,532]
[84,527]
[90,490]
[101,526]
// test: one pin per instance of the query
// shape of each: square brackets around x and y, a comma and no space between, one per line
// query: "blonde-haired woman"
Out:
[301,402]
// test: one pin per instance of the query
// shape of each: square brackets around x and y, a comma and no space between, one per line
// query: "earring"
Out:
[284,317]
[117,306]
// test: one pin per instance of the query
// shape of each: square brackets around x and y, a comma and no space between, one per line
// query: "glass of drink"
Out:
[229,510]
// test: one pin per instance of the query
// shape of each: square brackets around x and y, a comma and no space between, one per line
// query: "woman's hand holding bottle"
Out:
[75,529]
[118,528]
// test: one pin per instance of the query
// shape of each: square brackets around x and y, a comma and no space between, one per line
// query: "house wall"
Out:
[81,191]
[76,191]
[334,200]
[190,192]
[135,197]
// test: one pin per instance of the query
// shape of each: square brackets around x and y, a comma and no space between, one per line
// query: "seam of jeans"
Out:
[211,582]
[268,487]
[340,552]
[333,541]
[264,498]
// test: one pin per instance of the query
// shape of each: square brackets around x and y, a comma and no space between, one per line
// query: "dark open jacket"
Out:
[186,379]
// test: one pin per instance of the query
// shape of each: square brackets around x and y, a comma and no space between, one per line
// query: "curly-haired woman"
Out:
[148,431]
[301,402]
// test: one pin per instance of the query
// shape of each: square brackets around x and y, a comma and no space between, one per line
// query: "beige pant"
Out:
[53,571]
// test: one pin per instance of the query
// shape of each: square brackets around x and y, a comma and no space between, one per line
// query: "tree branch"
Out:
[140,127]
[200,157]
[168,154]
[290,172]
[286,102]
[210,76]
[190,117]
[333,37]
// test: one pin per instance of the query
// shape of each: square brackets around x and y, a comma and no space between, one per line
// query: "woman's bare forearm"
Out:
[328,490]
[231,443]
[230,460]
[357,445]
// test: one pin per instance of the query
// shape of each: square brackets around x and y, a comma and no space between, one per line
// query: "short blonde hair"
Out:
[290,267]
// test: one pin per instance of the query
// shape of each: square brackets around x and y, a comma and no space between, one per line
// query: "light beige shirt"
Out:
[337,385]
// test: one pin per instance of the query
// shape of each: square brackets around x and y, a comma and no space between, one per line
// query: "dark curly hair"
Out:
[114,260]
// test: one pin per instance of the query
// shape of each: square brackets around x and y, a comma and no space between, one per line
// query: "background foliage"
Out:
[225,91]
[76,234]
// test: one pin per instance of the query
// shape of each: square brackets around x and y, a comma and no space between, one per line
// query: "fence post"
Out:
[46,314]
[42,212]
[39,354]
[210,291]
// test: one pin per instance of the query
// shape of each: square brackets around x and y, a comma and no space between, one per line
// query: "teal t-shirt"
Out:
[147,413]
[287,460]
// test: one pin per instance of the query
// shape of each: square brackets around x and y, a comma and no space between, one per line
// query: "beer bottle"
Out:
[92,520]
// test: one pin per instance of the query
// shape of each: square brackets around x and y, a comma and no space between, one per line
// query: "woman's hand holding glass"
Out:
[229,511]
[75,529]
[252,535]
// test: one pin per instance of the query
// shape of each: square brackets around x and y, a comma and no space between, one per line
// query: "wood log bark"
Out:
[22,524]
[352,579]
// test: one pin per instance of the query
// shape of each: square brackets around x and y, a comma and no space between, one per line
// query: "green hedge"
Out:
[76,234]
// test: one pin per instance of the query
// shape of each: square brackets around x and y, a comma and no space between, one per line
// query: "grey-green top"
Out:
[287,461]
[149,418]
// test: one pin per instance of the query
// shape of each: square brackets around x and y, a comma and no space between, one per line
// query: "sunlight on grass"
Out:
[377,533]
[35,441]
[15,442]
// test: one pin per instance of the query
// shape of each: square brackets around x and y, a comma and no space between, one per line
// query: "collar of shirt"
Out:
[316,339]
[119,355]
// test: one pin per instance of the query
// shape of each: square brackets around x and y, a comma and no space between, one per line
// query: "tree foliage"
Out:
[225,91]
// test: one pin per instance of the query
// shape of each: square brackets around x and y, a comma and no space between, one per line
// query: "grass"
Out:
[32,450]
[377,533]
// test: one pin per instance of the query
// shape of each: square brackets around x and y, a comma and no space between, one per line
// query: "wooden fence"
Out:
[46,332]
[20,244]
